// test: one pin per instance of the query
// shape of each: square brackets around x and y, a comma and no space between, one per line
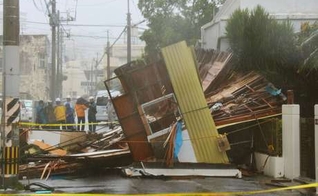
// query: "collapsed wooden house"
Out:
[155,96]
[189,94]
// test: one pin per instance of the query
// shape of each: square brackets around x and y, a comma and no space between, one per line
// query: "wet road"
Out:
[112,182]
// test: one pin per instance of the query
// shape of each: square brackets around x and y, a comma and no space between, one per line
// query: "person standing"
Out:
[80,107]
[68,100]
[92,115]
[69,116]
[40,113]
[49,112]
[60,112]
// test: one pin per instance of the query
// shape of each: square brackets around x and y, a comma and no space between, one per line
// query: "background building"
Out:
[34,67]
[213,33]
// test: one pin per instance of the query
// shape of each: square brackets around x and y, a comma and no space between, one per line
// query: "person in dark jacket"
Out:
[49,112]
[69,116]
[40,113]
[92,115]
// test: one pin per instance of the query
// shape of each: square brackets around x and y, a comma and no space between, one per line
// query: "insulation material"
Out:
[197,117]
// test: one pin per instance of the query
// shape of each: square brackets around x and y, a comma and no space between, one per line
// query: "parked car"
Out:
[103,103]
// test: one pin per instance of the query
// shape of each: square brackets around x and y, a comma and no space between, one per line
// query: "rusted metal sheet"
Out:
[187,88]
[141,83]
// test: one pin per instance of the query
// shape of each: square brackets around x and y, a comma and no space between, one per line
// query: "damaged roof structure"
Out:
[197,86]
[235,97]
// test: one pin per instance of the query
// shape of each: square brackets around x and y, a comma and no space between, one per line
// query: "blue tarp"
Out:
[272,90]
[178,140]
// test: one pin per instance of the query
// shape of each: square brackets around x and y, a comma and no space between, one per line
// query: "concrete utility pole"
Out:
[128,34]
[11,83]
[58,56]
[53,25]
[108,57]
[91,78]
[61,62]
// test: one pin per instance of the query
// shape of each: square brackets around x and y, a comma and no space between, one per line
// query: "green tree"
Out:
[173,21]
[288,59]
[260,42]
[307,72]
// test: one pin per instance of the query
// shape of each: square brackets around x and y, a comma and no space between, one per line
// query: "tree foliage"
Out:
[288,59]
[260,42]
[173,21]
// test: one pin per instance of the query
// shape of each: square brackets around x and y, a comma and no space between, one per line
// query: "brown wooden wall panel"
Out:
[142,83]
[140,148]
[132,125]
[124,105]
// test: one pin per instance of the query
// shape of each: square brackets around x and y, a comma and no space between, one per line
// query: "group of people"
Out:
[64,114]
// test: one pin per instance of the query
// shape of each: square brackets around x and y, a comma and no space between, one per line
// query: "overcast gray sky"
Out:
[105,14]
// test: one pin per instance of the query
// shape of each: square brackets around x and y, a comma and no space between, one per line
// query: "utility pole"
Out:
[128,34]
[108,57]
[61,62]
[53,25]
[95,73]
[91,78]
[11,84]
[58,79]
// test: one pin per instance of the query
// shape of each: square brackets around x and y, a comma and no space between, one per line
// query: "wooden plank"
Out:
[47,147]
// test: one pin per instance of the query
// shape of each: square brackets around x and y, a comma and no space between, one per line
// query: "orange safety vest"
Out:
[80,110]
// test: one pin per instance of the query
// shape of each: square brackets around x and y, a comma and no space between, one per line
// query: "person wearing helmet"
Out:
[60,112]
[92,115]
[68,100]
[80,107]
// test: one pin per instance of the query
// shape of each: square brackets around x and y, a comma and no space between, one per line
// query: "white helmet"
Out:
[91,98]
[68,97]
[57,99]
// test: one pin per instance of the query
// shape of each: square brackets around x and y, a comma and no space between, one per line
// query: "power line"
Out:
[76,25]
[97,4]
[94,25]
[111,46]
[37,6]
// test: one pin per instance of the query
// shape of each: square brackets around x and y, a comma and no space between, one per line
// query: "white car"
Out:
[102,103]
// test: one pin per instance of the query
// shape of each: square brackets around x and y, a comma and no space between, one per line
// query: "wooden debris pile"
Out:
[68,157]
[236,97]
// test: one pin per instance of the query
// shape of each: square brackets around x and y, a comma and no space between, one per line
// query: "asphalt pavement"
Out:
[113,182]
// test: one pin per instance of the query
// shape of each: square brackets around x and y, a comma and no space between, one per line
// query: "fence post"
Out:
[316,143]
[291,140]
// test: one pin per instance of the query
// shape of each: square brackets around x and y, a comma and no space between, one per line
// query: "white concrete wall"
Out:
[296,11]
[291,140]
[269,165]
[75,75]
[284,7]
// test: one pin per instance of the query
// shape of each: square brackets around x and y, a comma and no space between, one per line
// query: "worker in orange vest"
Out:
[80,107]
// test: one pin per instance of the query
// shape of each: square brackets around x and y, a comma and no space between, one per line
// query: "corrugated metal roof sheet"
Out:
[184,78]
